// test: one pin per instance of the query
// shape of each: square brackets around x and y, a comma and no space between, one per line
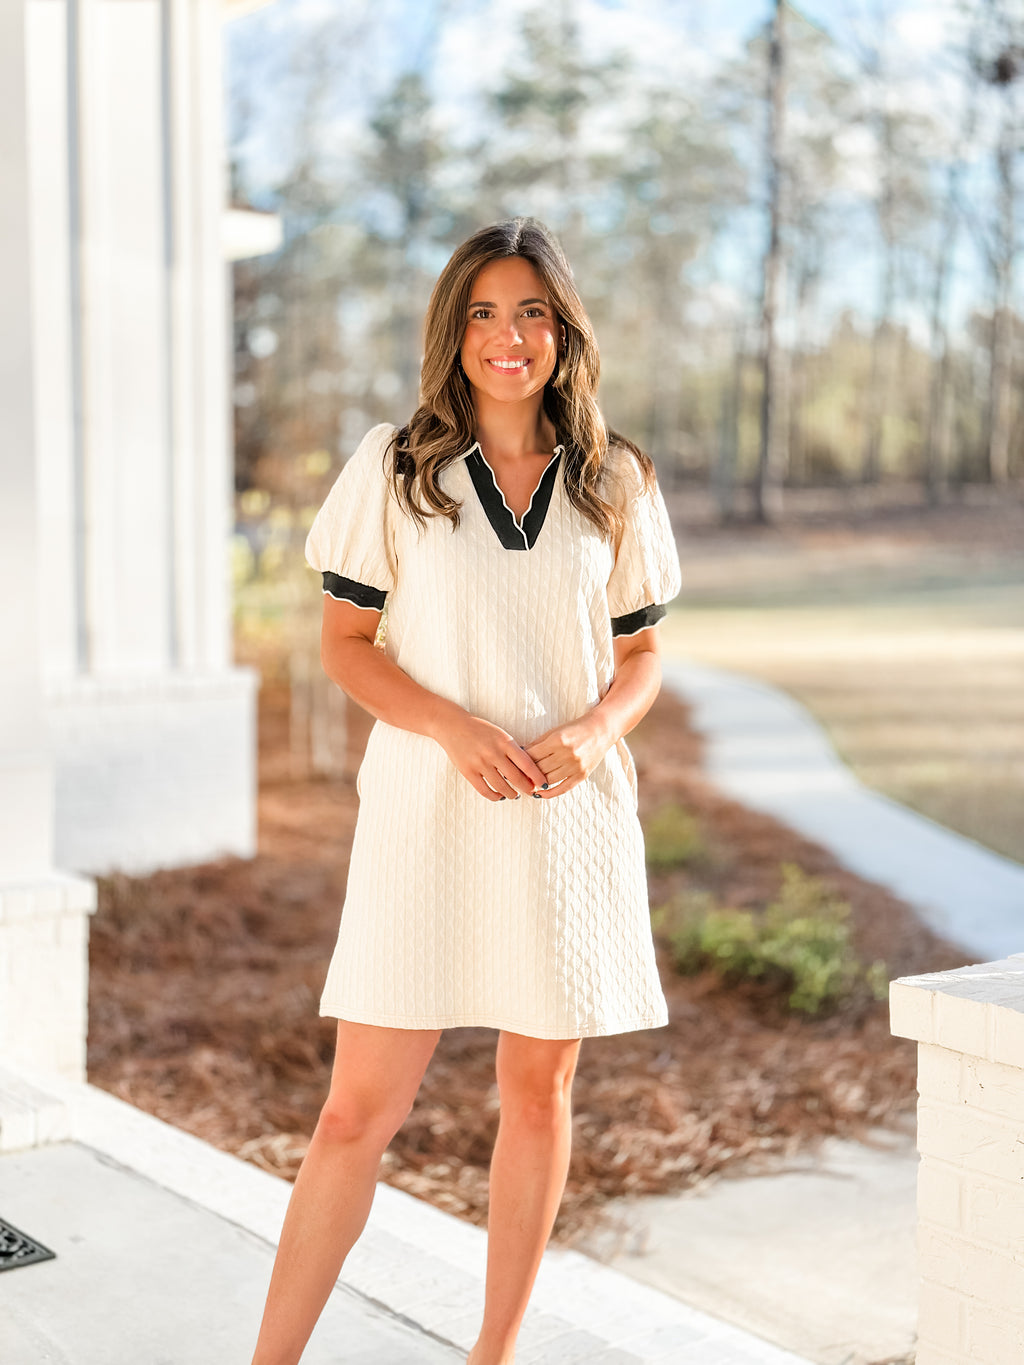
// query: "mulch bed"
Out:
[205,980]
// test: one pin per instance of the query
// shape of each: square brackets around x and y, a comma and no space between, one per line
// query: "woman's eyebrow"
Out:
[487,303]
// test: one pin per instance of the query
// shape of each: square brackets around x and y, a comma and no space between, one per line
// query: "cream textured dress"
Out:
[524,915]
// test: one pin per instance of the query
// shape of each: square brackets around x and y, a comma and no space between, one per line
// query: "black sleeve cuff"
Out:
[638,620]
[348,590]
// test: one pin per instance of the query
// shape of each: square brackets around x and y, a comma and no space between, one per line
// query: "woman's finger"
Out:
[477,782]
[560,788]
[528,765]
[542,752]
[563,765]
[516,783]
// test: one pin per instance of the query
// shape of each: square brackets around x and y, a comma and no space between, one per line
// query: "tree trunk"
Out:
[940,409]
[1001,366]
[772,458]
[879,380]
[727,460]
[1001,363]
[881,373]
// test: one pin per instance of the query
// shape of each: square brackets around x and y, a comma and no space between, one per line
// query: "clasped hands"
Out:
[499,768]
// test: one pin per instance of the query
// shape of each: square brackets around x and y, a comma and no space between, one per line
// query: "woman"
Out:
[525,556]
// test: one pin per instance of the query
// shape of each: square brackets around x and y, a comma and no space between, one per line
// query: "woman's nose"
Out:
[508,330]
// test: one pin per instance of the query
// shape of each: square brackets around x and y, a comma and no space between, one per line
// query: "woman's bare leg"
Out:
[376,1074]
[528,1171]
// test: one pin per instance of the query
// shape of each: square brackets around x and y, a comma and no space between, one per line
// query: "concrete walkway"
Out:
[164,1249]
[767,751]
[820,1258]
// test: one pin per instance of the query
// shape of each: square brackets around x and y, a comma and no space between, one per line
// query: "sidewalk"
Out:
[820,1258]
[767,751]
[164,1249]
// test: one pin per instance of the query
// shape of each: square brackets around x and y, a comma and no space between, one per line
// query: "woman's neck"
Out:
[512,430]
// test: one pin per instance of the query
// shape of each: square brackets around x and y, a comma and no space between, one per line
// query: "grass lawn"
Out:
[910,653]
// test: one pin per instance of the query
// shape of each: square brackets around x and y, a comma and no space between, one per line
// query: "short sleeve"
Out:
[646,574]
[351,541]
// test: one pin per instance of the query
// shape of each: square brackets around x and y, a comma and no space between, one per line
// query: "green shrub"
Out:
[672,838]
[680,921]
[799,942]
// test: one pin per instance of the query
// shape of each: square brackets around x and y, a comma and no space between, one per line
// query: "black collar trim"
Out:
[513,533]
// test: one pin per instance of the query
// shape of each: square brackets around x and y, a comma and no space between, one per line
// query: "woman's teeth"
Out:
[509,364]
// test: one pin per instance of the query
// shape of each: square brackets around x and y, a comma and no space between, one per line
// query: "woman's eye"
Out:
[479,313]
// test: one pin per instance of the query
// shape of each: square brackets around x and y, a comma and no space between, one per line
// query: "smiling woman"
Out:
[525,557]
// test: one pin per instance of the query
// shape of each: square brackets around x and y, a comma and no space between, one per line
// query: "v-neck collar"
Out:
[513,532]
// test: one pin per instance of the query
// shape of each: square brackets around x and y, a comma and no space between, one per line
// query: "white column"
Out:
[26,815]
[124,338]
[153,729]
[43,922]
[200,336]
[969,1026]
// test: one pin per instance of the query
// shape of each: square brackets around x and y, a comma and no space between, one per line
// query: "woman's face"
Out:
[509,349]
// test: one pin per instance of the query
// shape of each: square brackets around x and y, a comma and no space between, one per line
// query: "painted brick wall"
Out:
[44,935]
[969,1025]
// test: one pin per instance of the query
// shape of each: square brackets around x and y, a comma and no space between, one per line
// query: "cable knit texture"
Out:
[523,915]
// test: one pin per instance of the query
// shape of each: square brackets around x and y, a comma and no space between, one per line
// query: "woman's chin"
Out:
[508,390]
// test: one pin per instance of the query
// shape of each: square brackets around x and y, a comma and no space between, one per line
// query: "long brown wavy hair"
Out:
[441,429]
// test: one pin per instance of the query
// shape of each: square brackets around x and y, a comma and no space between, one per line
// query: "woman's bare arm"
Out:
[487,756]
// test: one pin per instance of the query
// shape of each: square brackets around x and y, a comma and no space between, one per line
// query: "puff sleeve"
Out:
[646,572]
[351,541]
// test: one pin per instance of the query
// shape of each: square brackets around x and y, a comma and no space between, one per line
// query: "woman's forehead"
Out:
[508,275]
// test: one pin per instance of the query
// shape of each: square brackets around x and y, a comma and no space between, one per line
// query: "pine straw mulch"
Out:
[205,980]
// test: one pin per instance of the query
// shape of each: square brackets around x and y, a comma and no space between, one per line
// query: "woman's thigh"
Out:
[376,1074]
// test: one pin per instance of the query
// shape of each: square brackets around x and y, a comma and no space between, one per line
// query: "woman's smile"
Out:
[512,365]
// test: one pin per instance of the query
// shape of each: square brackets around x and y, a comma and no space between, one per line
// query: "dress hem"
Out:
[492,1021]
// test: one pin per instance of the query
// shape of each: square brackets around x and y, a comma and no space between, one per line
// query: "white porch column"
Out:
[43,914]
[153,729]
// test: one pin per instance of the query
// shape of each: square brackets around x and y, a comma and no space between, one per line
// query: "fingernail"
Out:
[535,795]
[544,785]
[501,798]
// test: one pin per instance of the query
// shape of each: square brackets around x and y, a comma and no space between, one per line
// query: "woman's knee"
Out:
[536,1087]
[348,1119]
[537,1110]
[374,1080]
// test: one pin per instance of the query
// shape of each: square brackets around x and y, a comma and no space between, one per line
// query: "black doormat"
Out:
[16,1248]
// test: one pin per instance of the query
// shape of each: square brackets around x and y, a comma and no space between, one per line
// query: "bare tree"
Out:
[771,466]
[1006,71]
